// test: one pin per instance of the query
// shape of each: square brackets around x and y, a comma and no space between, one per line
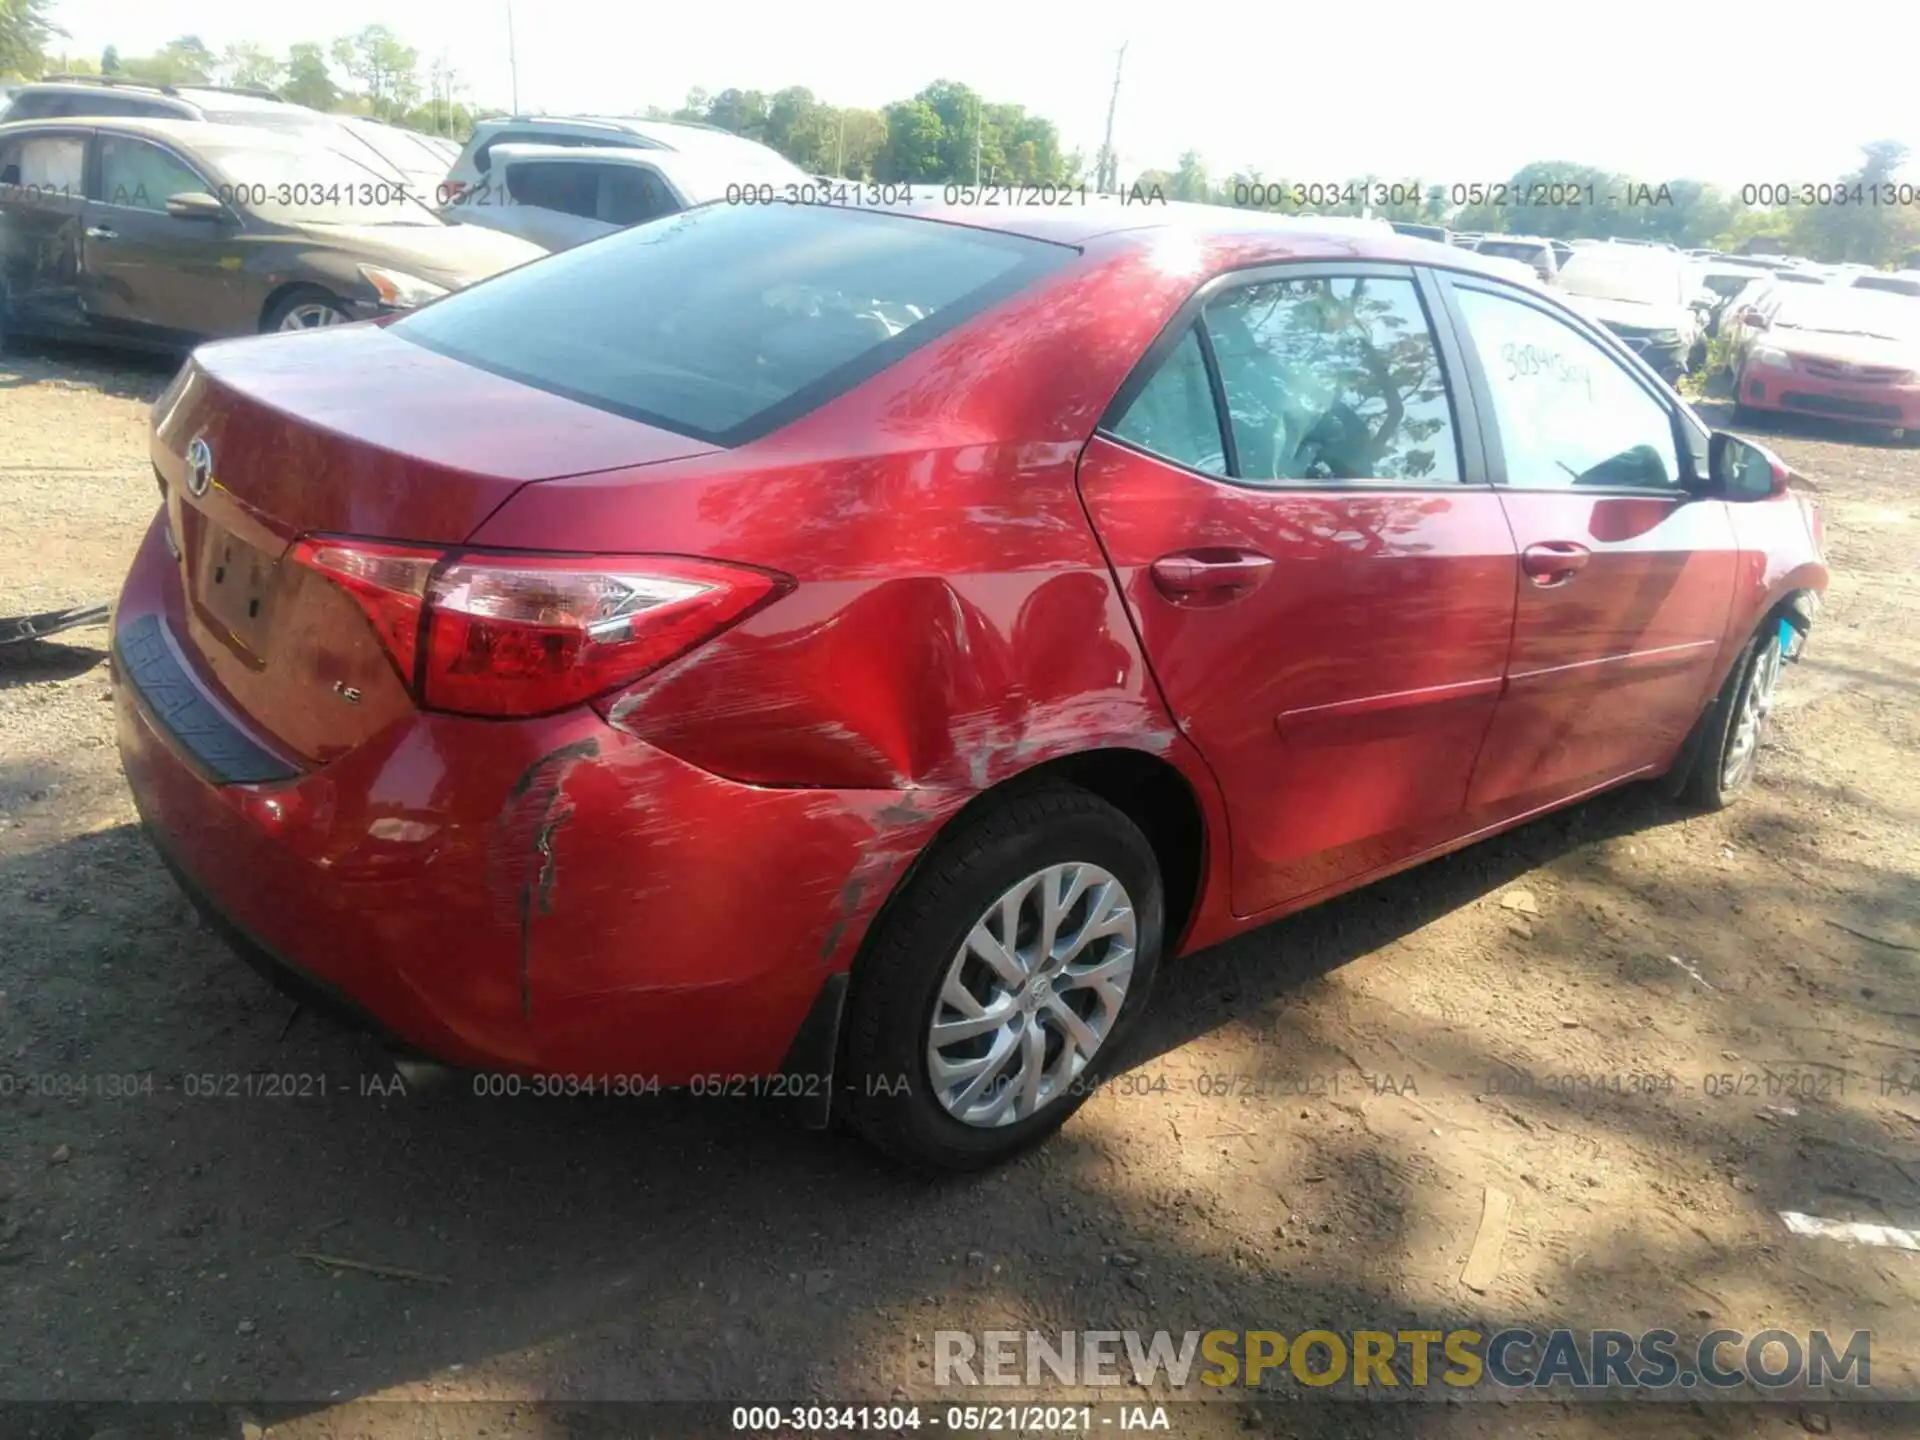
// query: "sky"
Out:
[1398,88]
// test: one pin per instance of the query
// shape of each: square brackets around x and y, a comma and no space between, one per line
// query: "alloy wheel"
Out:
[1754,705]
[1032,994]
[311,316]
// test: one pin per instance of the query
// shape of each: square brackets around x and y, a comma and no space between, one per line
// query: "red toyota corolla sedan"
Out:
[823,653]
[1853,354]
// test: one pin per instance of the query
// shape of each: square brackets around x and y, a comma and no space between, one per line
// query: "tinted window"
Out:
[630,195]
[1174,415]
[1568,413]
[727,321]
[140,175]
[1333,379]
[555,185]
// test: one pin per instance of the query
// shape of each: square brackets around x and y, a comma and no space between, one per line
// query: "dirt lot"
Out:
[1372,1056]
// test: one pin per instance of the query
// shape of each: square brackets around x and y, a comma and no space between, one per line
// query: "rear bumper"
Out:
[553,896]
[1895,406]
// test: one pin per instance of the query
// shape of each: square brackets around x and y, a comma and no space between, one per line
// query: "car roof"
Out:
[187,134]
[204,96]
[667,134]
[1226,237]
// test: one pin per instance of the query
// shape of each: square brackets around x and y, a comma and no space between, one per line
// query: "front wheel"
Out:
[1726,746]
[1001,983]
[309,308]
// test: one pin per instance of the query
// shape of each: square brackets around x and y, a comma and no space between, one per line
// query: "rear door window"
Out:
[555,185]
[729,321]
[1332,379]
[633,194]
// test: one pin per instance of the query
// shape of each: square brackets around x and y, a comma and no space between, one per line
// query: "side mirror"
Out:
[1752,319]
[1742,470]
[196,205]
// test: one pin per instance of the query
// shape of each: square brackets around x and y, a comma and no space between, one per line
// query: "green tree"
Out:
[245,63]
[309,82]
[384,67]
[698,103]
[915,140]
[110,61]
[440,117]
[186,61]
[1865,231]
[25,28]
[744,112]
[792,121]
[859,140]
[1189,181]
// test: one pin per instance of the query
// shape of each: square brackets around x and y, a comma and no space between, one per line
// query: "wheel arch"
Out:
[1149,789]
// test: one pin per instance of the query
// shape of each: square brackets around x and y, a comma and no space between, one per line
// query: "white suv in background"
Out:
[471,175]
[559,196]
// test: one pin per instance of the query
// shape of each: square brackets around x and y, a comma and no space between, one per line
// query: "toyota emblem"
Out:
[199,467]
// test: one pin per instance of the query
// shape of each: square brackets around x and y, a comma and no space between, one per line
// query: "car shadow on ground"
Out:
[125,374]
[36,662]
[671,1248]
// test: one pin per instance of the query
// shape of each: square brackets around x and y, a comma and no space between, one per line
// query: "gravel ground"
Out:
[1761,960]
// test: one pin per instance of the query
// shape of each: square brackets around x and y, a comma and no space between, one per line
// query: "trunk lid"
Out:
[343,431]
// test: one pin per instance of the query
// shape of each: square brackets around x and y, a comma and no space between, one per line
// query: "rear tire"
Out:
[306,308]
[1725,745]
[1013,1065]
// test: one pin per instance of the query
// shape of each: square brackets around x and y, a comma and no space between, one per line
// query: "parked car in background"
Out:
[64,97]
[466,183]
[1896,282]
[1437,233]
[559,196]
[1514,270]
[1648,297]
[422,161]
[164,233]
[1545,257]
[1839,351]
[1726,279]
[397,153]
[663,664]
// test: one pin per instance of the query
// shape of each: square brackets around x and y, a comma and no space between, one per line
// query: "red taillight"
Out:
[388,581]
[512,635]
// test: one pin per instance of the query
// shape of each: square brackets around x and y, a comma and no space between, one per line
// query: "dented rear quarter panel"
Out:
[953,620]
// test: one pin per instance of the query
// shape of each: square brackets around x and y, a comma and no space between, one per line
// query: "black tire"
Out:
[294,299]
[1706,785]
[893,1105]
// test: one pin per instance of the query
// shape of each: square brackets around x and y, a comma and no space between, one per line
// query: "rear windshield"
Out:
[729,321]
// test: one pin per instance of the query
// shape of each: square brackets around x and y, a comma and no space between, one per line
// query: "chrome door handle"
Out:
[100,232]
